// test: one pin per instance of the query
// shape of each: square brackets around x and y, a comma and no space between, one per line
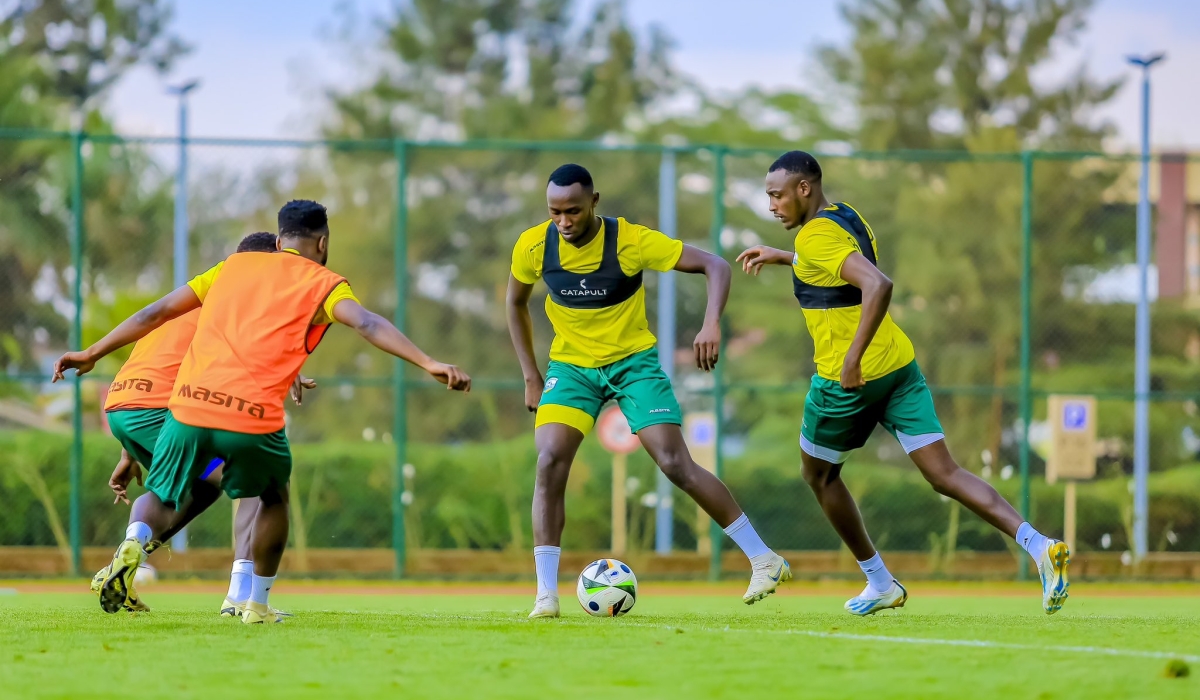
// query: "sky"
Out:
[263,64]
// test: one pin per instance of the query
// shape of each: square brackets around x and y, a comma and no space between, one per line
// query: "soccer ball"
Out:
[607,588]
[144,575]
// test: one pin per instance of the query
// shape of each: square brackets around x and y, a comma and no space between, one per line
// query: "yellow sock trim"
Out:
[566,415]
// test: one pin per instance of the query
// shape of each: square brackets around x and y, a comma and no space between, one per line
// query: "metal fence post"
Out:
[716,534]
[399,387]
[1026,333]
[664,514]
[76,507]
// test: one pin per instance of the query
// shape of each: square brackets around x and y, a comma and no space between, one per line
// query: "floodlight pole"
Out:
[1141,428]
[180,542]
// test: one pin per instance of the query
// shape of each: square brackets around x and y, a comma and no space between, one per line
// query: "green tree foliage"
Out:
[58,58]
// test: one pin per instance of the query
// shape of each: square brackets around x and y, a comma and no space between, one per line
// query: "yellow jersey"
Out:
[203,282]
[822,246]
[598,337]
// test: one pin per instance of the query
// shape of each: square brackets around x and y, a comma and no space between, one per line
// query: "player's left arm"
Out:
[131,330]
[876,297]
[717,275]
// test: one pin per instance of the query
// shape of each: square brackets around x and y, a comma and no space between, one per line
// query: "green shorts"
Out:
[253,463]
[574,395]
[837,421]
[137,430]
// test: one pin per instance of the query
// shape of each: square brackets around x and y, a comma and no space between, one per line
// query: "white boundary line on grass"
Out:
[919,641]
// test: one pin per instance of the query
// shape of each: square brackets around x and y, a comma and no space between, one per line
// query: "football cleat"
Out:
[1053,569]
[257,614]
[871,601]
[117,588]
[767,572]
[545,606]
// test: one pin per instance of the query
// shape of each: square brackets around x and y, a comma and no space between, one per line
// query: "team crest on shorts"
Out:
[550,384]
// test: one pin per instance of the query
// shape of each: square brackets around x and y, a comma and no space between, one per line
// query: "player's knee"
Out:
[553,466]
[818,476]
[677,465]
[941,480]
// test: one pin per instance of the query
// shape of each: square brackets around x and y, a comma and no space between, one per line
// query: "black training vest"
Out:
[606,286]
[814,297]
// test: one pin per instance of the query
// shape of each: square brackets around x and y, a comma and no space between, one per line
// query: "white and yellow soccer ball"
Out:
[607,588]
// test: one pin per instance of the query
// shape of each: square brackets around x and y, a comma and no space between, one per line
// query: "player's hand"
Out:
[533,392]
[852,378]
[299,385]
[454,378]
[127,470]
[78,361]
[753,259]
[707,346]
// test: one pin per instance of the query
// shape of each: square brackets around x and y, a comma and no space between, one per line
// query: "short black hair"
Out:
[303,218]
[798,163]
[261,242]
[570,174]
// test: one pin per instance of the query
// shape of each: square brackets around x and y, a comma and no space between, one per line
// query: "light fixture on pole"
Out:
[1141,382]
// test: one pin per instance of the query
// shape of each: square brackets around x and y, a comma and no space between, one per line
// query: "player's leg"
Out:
[665,444]
[240,579]
[567,411]
[911,417]
[837,422]
[260,466]
[205,492]
[180,454]
[646,397]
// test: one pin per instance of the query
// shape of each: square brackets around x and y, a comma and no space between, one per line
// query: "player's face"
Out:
[572,209]
[786,193]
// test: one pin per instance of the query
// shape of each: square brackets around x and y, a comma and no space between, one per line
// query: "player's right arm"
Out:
[520,329]
[380,332]
[131,330]
[753,259]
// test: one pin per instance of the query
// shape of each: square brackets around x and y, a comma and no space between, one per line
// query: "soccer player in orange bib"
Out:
[136,407]
[260,318]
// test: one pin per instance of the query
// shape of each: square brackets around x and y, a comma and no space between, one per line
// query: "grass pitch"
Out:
[679,642]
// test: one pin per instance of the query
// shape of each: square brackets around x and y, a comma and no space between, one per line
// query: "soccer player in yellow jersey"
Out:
[603,350]
[867,374]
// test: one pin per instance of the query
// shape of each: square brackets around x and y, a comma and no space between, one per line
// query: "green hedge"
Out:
[478,495]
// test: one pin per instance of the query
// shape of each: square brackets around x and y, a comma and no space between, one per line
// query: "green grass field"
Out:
[680,641]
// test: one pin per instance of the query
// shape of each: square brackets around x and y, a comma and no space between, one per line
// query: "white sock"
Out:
[239,580]
[743,535]
[545,560]
[877,573]
[260,588]
[139,531]
[1032,541]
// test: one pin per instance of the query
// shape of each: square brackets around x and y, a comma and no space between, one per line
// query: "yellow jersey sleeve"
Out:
[203,282]
[657,250]
[527,255]
[823,245]
[340,293]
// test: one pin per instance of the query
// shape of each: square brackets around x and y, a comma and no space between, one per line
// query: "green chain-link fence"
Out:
[1009,279]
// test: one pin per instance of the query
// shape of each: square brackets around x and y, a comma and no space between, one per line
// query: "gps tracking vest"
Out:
[607,286]
[146,378]
[255,331]
[814,297]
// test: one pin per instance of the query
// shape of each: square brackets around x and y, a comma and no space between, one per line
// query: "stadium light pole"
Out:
[1141,382]
[664,513]
[180,277]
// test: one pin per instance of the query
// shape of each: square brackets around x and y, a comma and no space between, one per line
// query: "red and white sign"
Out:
[613,431]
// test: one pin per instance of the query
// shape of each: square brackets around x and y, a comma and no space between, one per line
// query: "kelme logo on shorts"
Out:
[550,384]
[220,398]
